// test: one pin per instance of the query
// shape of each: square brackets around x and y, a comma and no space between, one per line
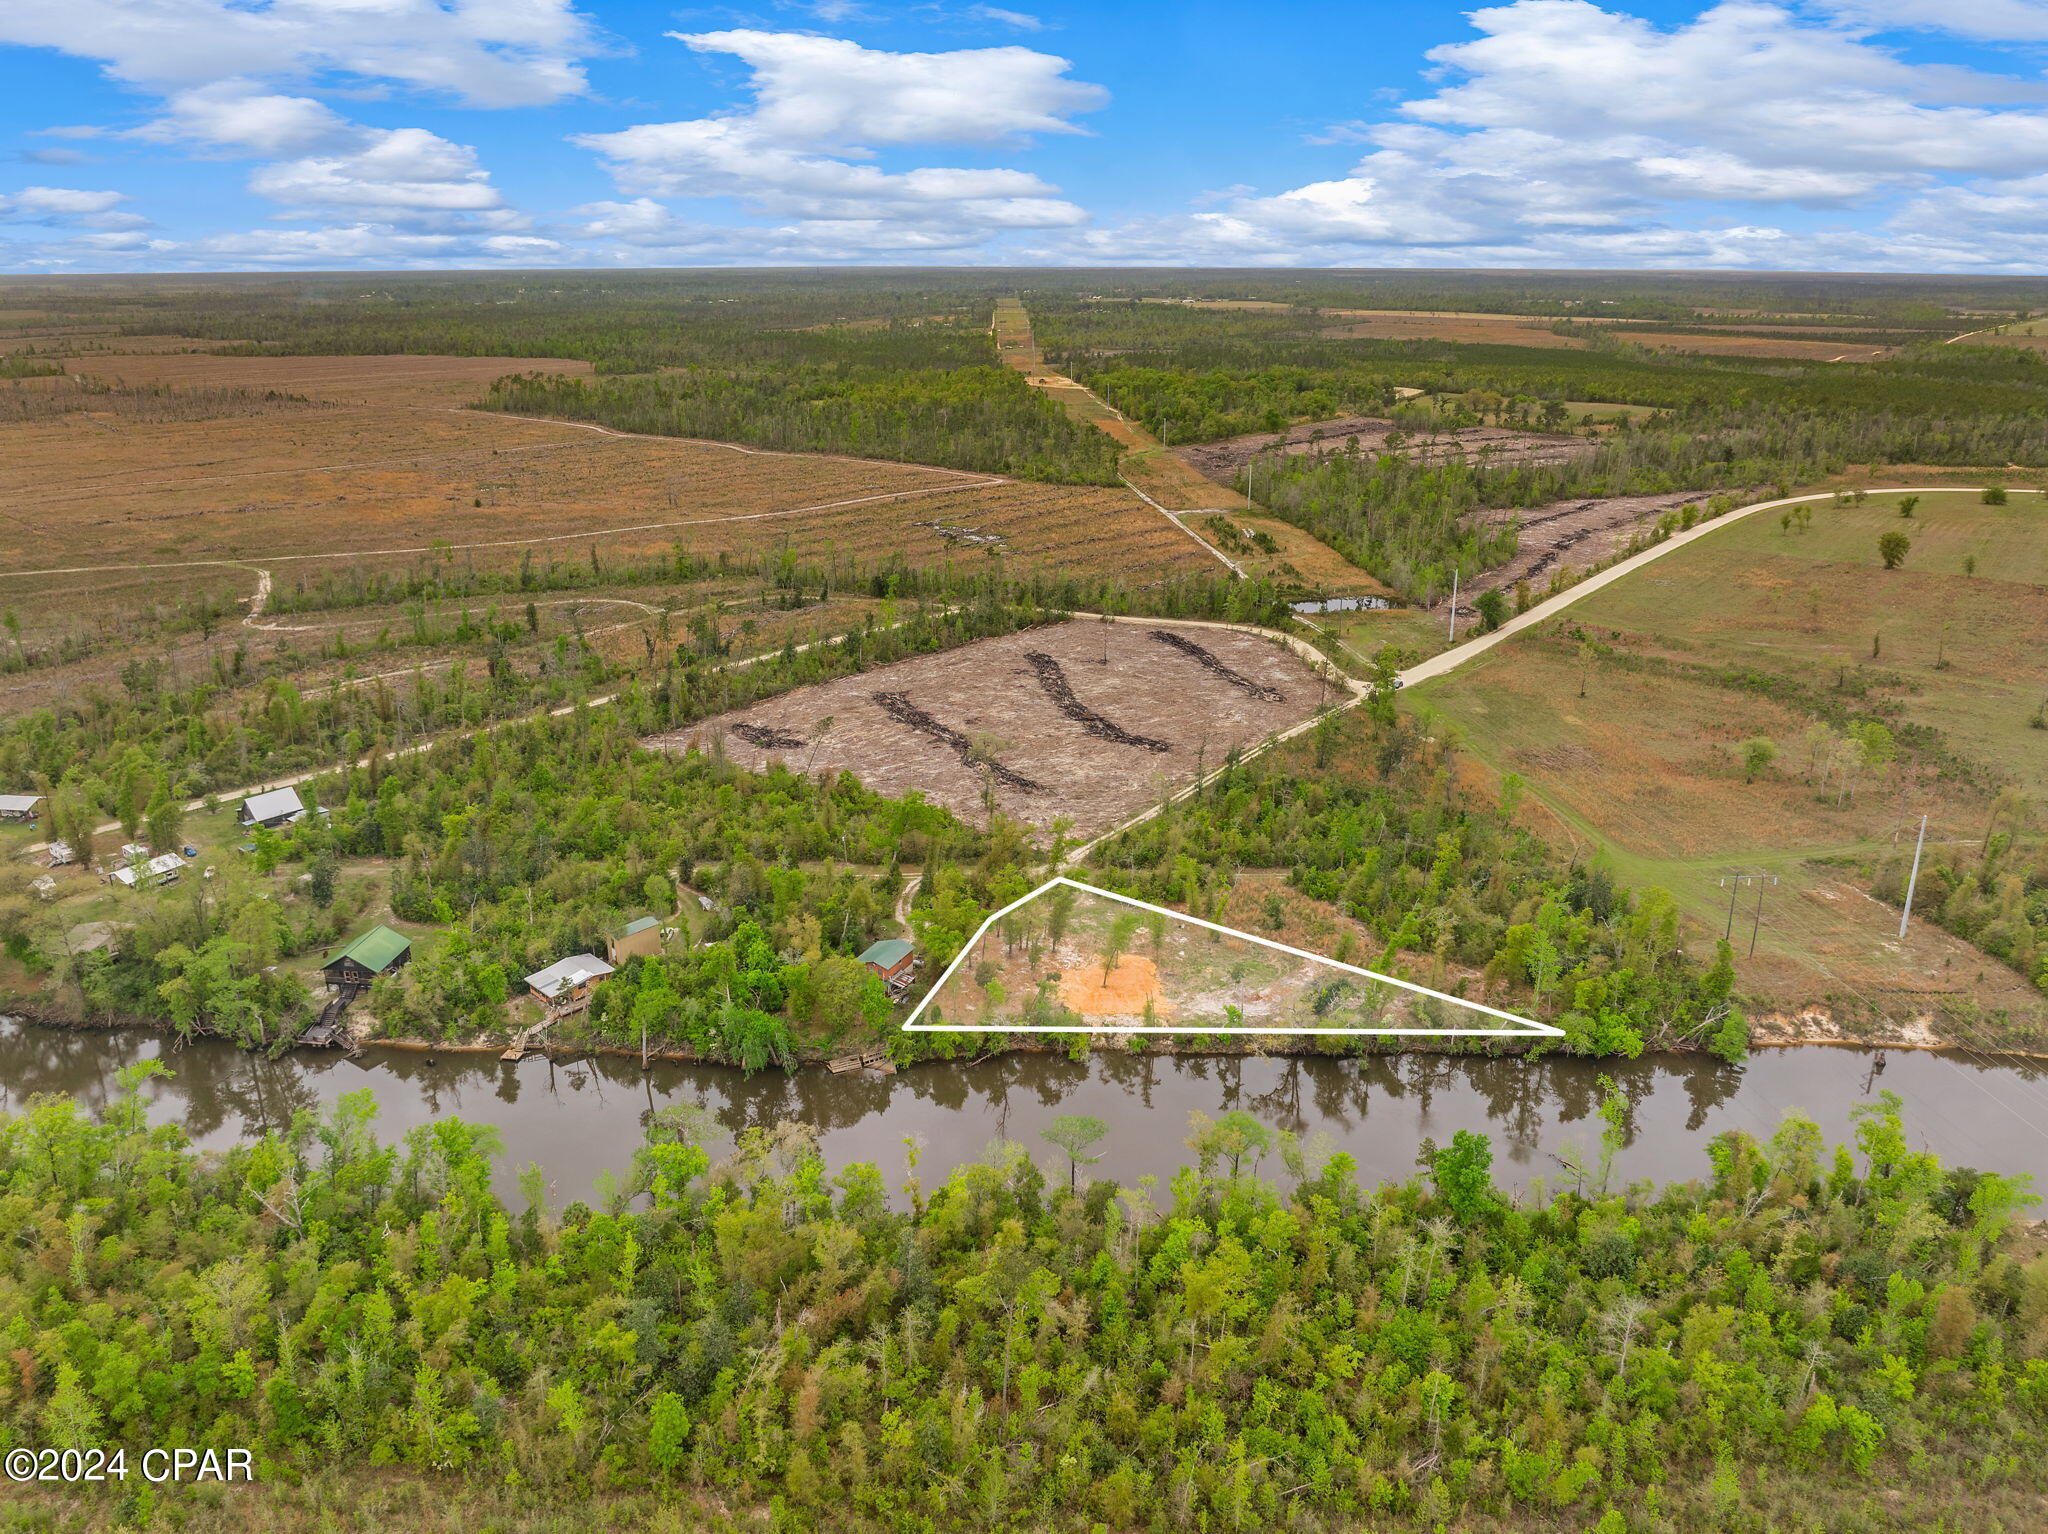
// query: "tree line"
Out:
[1828,1336]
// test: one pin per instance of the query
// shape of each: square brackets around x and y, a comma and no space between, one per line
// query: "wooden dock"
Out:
[326,1030]
[518,1048]
[873,1060]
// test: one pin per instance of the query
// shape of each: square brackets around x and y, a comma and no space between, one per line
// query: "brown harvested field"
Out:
[383,382]
[986,719]
[1473,329]
[385,463]
[78,344]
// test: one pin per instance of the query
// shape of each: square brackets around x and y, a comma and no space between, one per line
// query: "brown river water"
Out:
[577,1118]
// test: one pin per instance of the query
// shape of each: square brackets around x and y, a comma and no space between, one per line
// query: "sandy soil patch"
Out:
[992,730]
[1128,987]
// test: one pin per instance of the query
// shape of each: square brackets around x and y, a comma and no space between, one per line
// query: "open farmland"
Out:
[1085,722]
[1628,720]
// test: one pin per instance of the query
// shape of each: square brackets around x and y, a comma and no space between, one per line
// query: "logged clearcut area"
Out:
[1085,721]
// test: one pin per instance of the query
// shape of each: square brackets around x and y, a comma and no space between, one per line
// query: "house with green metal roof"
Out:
[363,958]
[638,939]
[891,958]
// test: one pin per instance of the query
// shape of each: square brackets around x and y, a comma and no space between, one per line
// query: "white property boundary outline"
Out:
[1528,1027]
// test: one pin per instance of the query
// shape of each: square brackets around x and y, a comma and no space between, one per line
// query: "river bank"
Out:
[578,1117]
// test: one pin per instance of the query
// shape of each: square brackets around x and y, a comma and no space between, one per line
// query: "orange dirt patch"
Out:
[1130,985]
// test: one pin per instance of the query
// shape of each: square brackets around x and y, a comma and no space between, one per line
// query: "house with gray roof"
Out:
[277,807]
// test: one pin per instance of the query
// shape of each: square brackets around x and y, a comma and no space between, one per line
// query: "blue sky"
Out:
[168,135]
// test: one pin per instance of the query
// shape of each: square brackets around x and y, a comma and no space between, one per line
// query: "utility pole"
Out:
[1733,883]
[1757,920]
[1913,878]
[1454,607]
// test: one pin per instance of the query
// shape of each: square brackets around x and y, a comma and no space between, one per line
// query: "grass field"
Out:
[1627,719]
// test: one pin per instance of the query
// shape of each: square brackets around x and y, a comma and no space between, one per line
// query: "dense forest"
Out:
[1196,375]
[1715,424]
[1801,1338]
[967,417]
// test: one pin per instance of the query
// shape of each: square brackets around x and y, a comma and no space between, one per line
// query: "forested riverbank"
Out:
[1833,1335]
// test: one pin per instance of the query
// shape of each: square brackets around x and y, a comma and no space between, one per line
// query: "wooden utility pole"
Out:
[1733,884]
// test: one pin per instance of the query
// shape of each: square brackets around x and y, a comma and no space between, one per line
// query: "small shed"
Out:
[158,870]
[19,806]
[639,939]
[892,958]
[566,984]
[380,951]
[278,807]
[58,854]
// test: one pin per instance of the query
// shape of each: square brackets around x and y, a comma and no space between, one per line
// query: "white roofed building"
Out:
[158,870]
[566,984]
[277,807]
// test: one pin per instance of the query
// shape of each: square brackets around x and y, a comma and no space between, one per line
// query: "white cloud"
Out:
[650,230]
[729,157]
[66,205]
[399,173]
[241,115]
[1568,134]
[825,91]
[493,53]
[822,108]
[995,13]
[2003,21]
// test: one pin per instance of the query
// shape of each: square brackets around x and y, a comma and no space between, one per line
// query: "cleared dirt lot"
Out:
[1223,460]
[1011,739]
[1576,535]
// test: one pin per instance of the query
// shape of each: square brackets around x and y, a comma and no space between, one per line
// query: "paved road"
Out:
[1451,659]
